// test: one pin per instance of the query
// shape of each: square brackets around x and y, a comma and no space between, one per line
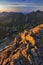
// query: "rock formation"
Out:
[23,50]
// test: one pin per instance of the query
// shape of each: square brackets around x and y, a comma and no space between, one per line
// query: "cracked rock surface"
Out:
[26,49]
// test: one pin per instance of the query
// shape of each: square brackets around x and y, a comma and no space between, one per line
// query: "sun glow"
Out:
[2,8]
[5,8]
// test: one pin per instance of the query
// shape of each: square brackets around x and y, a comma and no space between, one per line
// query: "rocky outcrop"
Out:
[23,50]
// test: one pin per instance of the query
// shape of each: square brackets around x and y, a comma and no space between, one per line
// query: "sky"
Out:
[20,5]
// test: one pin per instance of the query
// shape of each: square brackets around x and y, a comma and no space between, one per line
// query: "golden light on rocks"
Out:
[22,49]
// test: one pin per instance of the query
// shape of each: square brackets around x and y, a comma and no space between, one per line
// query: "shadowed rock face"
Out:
[23,50]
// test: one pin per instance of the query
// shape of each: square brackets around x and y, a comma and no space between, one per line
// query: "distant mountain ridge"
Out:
[11,21]
[6,17]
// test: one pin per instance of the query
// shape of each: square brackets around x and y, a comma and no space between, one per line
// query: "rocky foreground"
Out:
[26,49]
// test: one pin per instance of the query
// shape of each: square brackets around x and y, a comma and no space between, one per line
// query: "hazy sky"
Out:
[21,5]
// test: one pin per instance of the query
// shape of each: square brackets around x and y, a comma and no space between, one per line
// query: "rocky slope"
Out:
[25,49]
[10,21]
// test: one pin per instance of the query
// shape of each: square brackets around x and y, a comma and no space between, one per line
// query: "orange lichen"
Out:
[29,59]
[37,28]
[21,50]
[30,39]
[22,37]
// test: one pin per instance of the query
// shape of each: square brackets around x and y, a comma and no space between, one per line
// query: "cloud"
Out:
[20,7]
[16,4]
